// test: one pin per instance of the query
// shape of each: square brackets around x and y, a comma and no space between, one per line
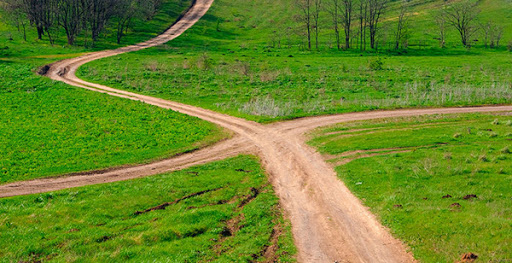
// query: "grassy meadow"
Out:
[220,212]
[49,128]
[246,58]
[442,184]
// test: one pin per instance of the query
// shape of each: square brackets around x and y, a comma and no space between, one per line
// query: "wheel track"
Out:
[328,222]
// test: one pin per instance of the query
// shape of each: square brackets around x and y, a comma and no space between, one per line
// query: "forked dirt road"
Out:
[328,222]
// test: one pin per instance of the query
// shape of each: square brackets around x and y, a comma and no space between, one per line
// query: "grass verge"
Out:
[223,211]
[442,184]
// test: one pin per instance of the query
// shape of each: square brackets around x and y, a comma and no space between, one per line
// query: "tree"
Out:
[462,16]
[333,10]
[16,15]
[71,13]
[305,17]
[441,25]
[401,30]
[317,6]
[99,12]
[346,14]
[363,18]
[375,11]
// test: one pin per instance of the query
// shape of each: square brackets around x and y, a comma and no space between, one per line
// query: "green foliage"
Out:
[98,223]
[418,163]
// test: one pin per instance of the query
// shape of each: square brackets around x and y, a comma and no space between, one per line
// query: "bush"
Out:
[376,64]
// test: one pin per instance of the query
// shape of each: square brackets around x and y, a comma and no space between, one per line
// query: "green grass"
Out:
[49,128]
[230,62]
[98,224]
[446,155]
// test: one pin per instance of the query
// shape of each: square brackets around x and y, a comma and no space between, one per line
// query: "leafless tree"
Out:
[441,26]
[462,16]
[333,10]
[363,18]
[401,30]
[317,7]
[16,15]
[305,17]
[491,34]
[375,11]
[346,19]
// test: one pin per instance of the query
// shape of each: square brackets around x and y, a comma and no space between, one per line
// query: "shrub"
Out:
[376,64]
[496,122]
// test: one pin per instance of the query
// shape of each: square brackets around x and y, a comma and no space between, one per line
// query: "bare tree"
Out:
[363,18]
[99,12]
[441,26]
[317,6]
[15,13]
[333,10]
[346,14]
[71,13]
[401,30]
[462,16]
[305,17]
[375,11]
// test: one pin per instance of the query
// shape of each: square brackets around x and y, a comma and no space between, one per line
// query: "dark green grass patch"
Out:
[224,211]
[448,195]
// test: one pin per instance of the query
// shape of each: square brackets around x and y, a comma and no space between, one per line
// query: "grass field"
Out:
[223,212]
[50,128]
[232,62]
[442,184]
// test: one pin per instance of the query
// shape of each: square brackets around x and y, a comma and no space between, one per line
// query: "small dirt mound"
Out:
[457,205]
[398,206]
[43,70]
[469,197]
[468,257]
[447,196]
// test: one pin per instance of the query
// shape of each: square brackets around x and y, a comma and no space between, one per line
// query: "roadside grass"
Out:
[49,128]
[222,212]
[243,59]
[446,193]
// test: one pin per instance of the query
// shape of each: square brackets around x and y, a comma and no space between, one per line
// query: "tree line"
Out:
[358,23]
[75,17]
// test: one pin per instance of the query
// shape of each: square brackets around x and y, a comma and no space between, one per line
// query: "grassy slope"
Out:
[75,225]
[450,155]
[231,62]
[49,128]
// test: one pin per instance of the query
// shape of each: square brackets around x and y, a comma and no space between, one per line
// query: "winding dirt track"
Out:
[328,222]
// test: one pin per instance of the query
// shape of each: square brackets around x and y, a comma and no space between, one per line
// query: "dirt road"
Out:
[328,222]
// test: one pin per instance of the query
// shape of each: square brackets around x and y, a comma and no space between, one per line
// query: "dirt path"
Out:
[328,222]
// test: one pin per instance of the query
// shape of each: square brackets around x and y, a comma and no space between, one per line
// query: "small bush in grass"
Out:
[493,135]
[505,150]
[496,122]
[508,123]
[376,64]
[457,135]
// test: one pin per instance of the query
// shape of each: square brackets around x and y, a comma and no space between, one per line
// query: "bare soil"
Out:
[329,223]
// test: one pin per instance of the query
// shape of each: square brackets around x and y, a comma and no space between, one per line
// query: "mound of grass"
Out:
[243,59]
[223,211]
[443,195]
